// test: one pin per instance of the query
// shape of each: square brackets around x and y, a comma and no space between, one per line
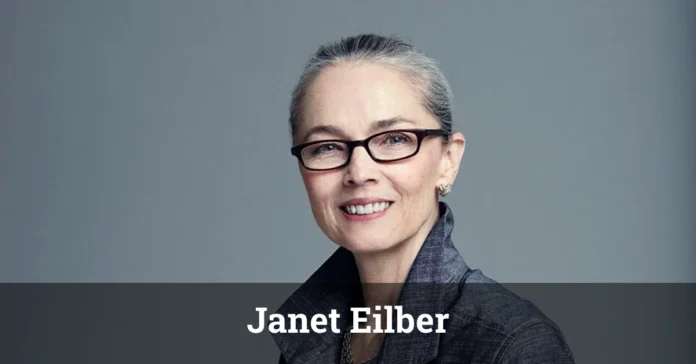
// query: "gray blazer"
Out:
[487,323]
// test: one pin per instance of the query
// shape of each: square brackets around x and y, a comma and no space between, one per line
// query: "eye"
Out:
[325,148]
[396,138]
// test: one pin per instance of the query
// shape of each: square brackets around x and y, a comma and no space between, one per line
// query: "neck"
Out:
[383,273]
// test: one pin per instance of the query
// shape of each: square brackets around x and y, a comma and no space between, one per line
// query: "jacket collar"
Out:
[336,285]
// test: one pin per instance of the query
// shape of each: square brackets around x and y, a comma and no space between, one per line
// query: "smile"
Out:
[366,209]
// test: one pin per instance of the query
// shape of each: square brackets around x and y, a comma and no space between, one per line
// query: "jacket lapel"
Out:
[431,287]
[331,287]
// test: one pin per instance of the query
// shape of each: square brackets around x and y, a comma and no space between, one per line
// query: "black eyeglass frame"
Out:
[420,135]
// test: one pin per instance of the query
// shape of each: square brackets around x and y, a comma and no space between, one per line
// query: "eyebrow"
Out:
[388,123]
[374,127]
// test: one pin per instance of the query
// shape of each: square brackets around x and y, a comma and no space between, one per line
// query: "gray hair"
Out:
[421,70]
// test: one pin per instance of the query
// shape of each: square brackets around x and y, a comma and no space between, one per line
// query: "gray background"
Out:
[147,140]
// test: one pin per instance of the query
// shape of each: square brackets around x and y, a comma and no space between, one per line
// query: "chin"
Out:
[368,245]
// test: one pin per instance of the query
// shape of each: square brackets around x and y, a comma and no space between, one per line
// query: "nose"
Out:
[361,170]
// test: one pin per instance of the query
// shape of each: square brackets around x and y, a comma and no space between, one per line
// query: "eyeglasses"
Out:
[388,146]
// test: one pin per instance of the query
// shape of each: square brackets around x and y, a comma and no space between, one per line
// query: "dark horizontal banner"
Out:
[215,323]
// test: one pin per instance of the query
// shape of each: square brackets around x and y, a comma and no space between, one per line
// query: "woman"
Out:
[371,125]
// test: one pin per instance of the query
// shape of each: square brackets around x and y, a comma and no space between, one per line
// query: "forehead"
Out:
[352,96]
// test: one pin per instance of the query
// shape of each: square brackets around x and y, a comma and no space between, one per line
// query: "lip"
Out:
[364,201]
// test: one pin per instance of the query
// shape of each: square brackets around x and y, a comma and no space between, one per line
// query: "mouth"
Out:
[366,209]
[365,206]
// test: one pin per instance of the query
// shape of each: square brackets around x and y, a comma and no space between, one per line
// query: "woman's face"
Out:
[346,102]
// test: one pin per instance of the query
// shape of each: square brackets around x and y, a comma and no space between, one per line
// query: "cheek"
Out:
[320,187]
[416,179]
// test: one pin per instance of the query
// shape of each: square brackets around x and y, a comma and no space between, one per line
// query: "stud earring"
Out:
[444,189]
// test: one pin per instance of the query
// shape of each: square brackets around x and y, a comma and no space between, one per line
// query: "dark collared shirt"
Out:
[487,323]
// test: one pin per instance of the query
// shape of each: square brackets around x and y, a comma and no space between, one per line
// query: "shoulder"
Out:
[509,328]
[483,300]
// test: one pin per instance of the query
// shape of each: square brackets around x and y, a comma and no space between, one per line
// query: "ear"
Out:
[451,159]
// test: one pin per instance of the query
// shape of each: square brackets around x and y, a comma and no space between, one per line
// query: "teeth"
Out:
[366,209]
